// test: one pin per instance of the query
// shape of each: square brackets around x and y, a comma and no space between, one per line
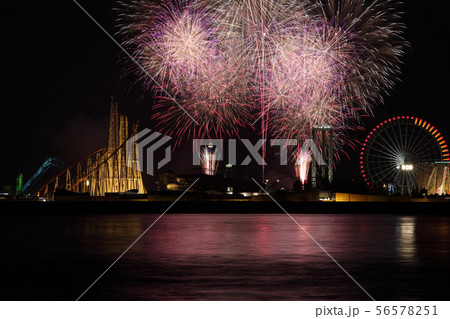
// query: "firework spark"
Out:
[302,166]
[209,161]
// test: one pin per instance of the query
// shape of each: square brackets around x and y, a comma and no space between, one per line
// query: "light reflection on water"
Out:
[407,239]
[260,257]
[229,257]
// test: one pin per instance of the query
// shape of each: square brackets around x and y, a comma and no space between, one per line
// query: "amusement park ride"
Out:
[103,171]
[406,155]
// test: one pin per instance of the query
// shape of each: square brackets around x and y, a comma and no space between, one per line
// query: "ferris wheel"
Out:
[400,153]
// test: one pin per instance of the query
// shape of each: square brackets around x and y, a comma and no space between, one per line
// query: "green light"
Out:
[19,182]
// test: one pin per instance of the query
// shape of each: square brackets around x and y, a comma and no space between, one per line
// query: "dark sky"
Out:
[61,70]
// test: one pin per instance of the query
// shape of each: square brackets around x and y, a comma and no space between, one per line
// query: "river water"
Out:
[225,257]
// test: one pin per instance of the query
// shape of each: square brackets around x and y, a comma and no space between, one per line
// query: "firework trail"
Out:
[302,162]
[208,158]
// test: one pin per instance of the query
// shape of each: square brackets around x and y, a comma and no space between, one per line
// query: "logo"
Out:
[141,149]
[147,141]
[253,150]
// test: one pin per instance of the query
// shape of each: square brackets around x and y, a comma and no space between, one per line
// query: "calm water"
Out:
[225,257]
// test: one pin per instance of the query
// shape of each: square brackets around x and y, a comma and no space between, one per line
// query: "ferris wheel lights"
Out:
[389,138]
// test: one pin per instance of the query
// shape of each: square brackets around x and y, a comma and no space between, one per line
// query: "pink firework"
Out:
[303,159]
[199,78]
[209,159]
[297,64]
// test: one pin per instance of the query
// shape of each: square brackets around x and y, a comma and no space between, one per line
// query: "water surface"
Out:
[225,257]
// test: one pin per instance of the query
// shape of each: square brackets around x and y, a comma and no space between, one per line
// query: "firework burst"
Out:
[177,43]
[375,30]
[299,63]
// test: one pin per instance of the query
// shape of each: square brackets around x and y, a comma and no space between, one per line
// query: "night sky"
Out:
[61,70]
